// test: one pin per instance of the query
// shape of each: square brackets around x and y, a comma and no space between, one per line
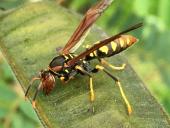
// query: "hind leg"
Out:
[104,62]
[101,68]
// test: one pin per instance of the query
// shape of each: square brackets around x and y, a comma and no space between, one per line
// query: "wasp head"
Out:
[47,81]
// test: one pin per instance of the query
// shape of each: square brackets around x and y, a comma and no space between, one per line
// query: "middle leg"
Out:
[92,96]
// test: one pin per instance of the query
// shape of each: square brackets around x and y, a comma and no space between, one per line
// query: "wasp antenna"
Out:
[58,49]
[35,95]
[33,79]
[136,26]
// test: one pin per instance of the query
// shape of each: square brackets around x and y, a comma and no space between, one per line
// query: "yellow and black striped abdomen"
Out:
[114,47]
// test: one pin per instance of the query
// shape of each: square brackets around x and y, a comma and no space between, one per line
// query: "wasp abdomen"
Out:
[114,47]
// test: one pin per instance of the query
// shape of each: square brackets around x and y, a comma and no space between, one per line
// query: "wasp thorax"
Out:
[48,81]
[57,63]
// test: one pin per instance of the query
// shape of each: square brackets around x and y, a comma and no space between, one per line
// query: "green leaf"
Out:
[26,109]
[20,122]
[28,39]
[164,11]
[141,7]
[6,94]
[8,4]
[17,122]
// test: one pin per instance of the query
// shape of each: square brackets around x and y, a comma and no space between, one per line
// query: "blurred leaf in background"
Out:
[9,4]
[14,111]
[150,57]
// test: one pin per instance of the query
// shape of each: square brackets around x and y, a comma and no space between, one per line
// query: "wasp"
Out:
[67,64]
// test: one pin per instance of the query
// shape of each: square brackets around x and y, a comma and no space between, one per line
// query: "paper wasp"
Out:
[67,65]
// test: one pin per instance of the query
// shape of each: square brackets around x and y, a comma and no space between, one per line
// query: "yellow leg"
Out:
[62,78]
[92,97]
[129,109]
[86,46]
[104,62]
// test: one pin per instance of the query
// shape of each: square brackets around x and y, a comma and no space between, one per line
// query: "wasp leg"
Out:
[92,96]
[104,62]
[35,95]
[129,109]
[64,80]
[86,46]
[33,79]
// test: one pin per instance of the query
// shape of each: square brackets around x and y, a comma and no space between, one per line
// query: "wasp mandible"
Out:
[67,64]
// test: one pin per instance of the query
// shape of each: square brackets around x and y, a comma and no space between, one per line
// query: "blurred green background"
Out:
[150,57]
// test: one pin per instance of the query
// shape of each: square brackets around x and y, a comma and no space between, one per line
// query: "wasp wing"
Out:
[82,30]
[100,44]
